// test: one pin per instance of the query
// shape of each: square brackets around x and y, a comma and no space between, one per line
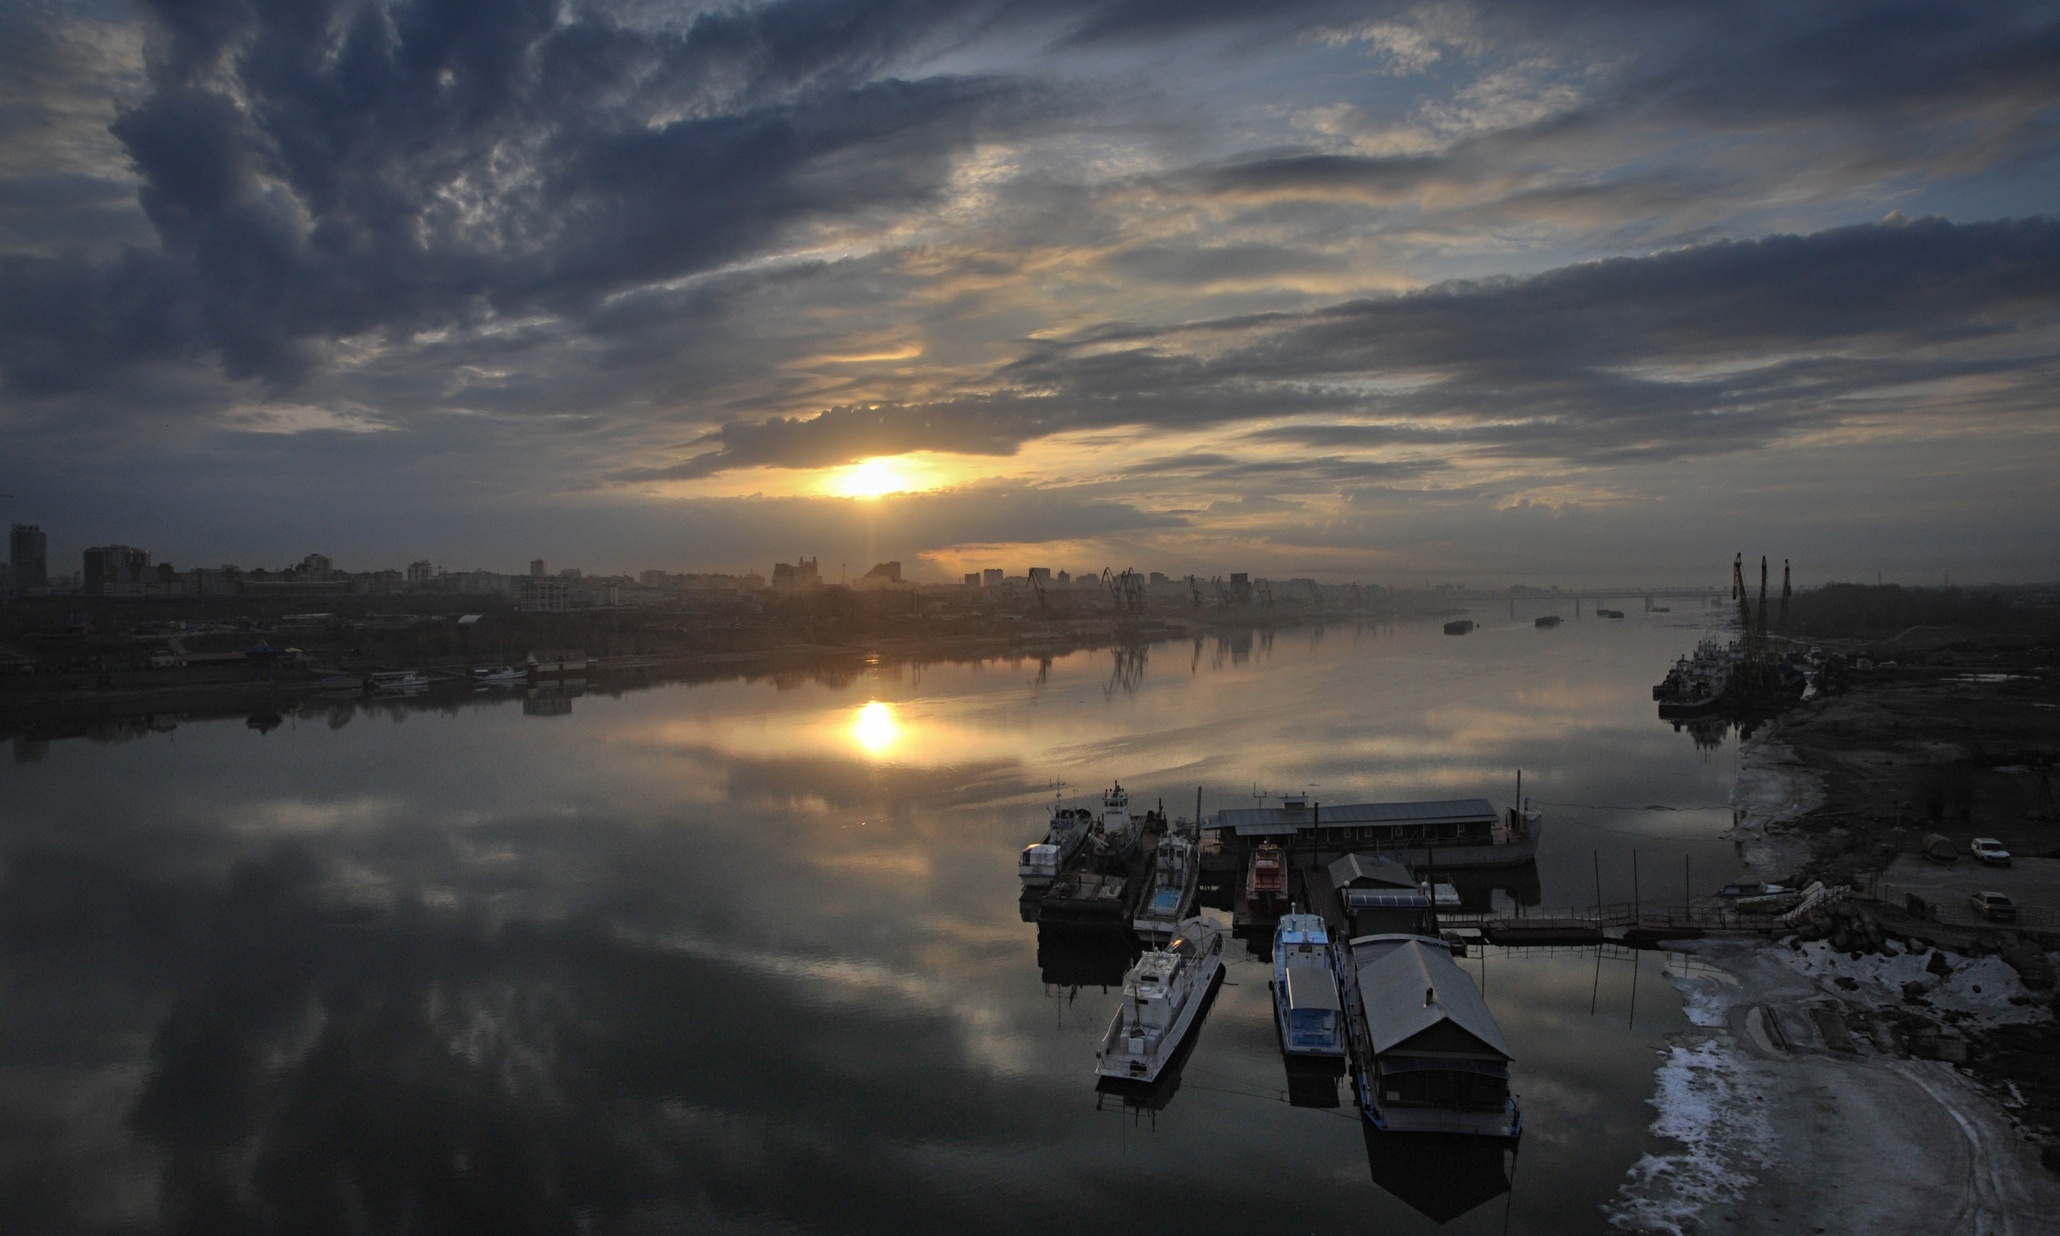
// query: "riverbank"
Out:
[1875,1070]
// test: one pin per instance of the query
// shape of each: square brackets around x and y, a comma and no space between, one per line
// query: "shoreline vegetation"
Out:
[1894,1063]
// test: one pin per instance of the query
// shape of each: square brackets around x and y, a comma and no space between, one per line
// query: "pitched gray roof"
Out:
[1395,972]
[1380,872]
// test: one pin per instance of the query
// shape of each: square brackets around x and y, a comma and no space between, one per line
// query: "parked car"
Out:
[1990,851]
[1995,906]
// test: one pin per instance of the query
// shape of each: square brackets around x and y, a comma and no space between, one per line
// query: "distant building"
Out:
[316,566]
[558,663]
[571,573]
[28,556]
[421,572]
[542,594]
[991,577]
[1042,574]
[1064,577]
[1159,577]
[885,572]
[972,579]
[115,571]
[536,567]
[800,575]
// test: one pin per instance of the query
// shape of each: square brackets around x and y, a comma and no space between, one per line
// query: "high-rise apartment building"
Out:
[115,571]
[28,554]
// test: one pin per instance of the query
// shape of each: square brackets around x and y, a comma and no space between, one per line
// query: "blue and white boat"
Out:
[1305,988]
[1176,876]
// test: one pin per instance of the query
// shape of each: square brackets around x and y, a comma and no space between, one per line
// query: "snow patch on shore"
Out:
[1712,1102]
[1982,987]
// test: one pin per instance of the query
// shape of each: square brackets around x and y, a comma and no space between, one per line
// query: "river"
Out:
[746,955]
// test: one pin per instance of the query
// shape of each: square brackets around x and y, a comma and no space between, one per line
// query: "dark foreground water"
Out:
[747,956]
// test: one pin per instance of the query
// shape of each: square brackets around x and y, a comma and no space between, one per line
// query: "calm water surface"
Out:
[747,956]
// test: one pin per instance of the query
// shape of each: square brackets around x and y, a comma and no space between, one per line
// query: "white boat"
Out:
[499,675]
[1117,837]
[1176,874]
[398,680]
[1161,996]
[1041,863]
[1305,988]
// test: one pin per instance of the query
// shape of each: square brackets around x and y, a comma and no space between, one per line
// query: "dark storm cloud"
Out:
[1601,361]
[316,171]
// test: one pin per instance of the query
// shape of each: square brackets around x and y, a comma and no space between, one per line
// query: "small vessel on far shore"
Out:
[499,675]
[1161,996]
[397,680]
[1305,989]
[1547,622]
[1459,626]
[1609,613]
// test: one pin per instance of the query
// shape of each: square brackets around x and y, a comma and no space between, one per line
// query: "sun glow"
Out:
[875,728]
[869,479]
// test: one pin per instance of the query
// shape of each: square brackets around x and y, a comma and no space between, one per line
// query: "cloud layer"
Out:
[1163,265]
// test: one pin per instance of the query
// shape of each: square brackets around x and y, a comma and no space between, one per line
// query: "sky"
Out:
[1552,291]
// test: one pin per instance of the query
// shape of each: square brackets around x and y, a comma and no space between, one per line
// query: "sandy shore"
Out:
[1796,1104]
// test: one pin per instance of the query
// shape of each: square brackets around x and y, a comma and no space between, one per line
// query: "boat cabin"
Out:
[1430,1055]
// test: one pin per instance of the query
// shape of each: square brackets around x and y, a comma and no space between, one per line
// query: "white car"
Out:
[1989,850]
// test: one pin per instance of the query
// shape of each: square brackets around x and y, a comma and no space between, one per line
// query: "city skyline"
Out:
[1466,292]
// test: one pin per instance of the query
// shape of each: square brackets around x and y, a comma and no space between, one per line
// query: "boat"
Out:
[1176,875]
[397,680]
[1459,626]
[1099,892]
[1427,1055]
[499,675]
[1547,622]
[1161,996]
[1697,682]
[1266,883]
[1447,834]
[1306,1005]
[1608,613]
[1041,863]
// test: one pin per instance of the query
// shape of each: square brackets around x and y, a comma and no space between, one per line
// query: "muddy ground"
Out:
[1958,736]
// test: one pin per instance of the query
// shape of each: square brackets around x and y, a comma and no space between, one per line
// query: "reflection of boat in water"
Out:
[1040,864]
[1441,1175]
[1161,996]
[1083,961]
[1427,1056]
[1176,873]
[1305,989]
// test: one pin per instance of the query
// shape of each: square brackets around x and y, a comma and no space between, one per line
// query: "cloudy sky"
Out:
[1549,291]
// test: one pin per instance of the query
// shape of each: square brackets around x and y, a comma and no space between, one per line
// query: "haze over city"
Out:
[1492,293]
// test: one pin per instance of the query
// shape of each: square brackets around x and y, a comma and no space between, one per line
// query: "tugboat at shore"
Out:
[1042,862]
[1100,892]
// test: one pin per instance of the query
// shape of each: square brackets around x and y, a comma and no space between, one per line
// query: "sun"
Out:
[869,479]
[875,728]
